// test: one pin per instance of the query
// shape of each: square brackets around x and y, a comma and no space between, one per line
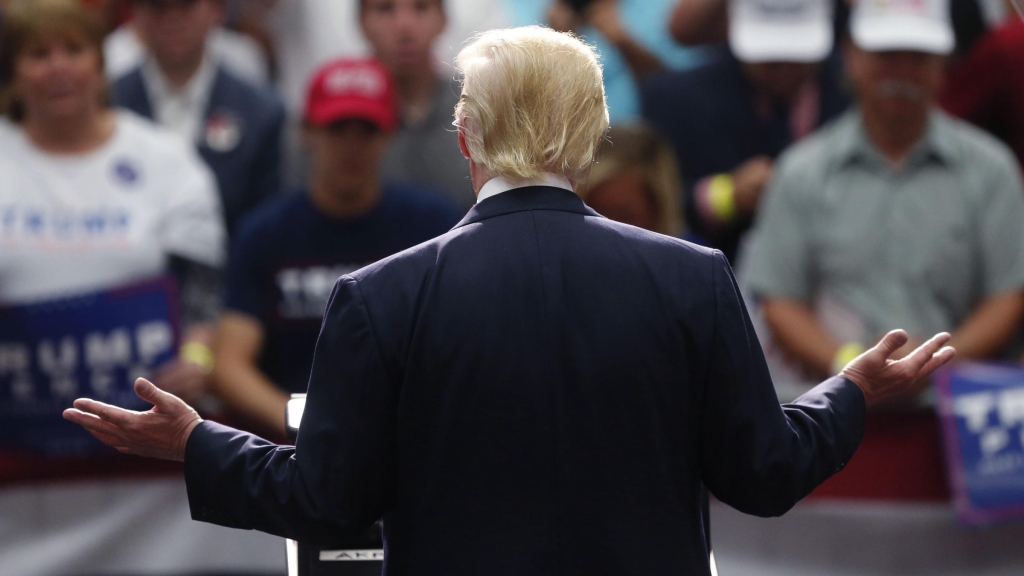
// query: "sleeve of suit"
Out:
[757,456]
[338,478]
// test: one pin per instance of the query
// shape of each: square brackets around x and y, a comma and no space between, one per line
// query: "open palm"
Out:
[882,378]
[161,432]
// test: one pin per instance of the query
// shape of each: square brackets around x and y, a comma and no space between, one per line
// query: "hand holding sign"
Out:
[881,378]
[160,432]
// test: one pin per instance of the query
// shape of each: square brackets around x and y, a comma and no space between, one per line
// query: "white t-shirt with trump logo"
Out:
[77,223]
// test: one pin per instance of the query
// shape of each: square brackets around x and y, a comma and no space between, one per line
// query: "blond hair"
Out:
[637,148]
[532,102]
[24,22]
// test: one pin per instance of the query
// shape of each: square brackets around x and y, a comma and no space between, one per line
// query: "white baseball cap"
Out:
[917,25]
[780,30]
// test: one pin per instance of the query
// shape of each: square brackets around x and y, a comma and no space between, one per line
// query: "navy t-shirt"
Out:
[287,256]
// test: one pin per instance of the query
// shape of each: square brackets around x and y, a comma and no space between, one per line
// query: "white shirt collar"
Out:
[197,89]
[181,110]
[496,186]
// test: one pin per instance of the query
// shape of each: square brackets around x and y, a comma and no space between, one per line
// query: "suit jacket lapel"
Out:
[134,95]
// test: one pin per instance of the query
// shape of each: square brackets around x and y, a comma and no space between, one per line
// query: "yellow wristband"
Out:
[847,352]
[197,353]
[722,197]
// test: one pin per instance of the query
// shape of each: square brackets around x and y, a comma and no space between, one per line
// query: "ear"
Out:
[462,143]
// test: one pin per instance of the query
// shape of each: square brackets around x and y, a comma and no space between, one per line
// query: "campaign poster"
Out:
[92,345]
[982,409]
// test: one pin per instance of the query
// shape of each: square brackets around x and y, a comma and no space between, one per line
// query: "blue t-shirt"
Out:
[287,256]
[647,21]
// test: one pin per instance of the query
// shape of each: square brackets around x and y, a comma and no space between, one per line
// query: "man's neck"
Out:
[179,74]
[345,204]
[895,138]
[416,93]
[478,176]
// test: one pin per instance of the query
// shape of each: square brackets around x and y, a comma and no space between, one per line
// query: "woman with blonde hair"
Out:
[92,198]
[635,181]
[93,202]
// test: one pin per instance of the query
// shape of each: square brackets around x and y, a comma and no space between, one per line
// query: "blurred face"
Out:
[402,31]
[58,77]
[346,154]
[176,30]
[626,198]
[895,85]
[780,80]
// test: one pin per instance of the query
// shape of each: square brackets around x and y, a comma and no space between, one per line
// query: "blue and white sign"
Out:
[982,409]
[88,346]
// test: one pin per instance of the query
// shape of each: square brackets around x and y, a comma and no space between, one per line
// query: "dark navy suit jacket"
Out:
[540,391]
[247,164]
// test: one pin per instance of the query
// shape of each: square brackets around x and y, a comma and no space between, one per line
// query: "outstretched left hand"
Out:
[160,432]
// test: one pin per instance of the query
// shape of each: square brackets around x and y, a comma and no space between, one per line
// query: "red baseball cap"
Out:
[352,90]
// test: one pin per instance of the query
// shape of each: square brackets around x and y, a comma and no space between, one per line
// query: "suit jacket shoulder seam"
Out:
[716,255]
[373,331]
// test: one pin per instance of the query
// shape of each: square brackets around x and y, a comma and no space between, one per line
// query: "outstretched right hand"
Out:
[161,432]
[881,378]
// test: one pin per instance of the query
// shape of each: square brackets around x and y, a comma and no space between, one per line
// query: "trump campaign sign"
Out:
[94,346]
[982,409]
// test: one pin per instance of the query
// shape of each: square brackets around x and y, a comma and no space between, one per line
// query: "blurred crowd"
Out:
[858,162]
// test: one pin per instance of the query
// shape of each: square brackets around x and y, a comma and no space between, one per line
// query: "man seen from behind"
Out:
[538,391]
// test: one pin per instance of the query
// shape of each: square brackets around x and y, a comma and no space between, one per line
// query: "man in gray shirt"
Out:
[425,148]
[894,215]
